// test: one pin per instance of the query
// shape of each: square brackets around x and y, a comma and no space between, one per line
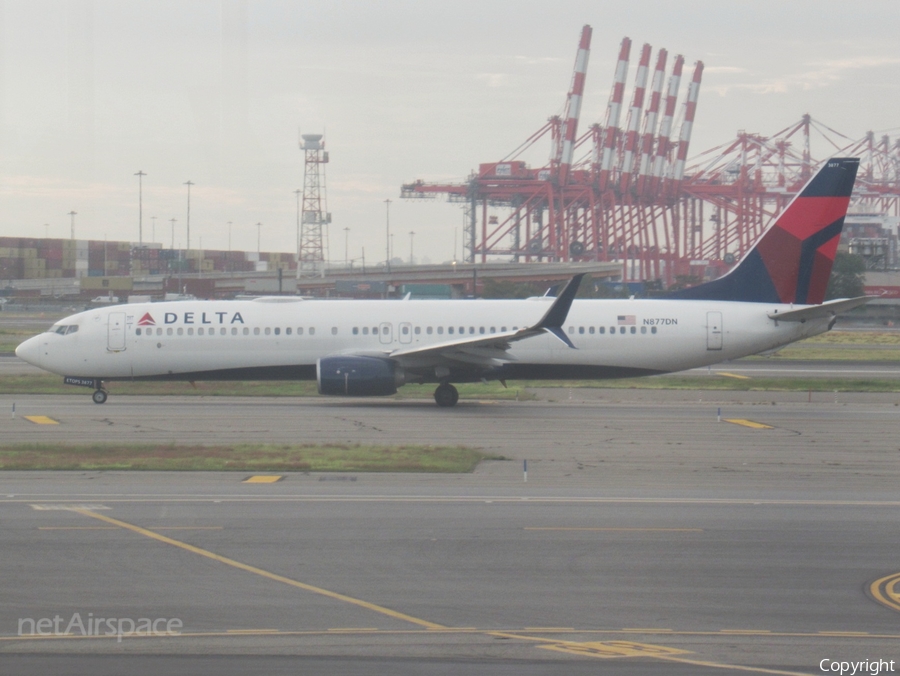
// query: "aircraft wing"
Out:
[829,309]
[489,350]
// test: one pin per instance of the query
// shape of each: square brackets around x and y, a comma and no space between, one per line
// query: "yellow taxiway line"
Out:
[618,530]
[748,423]
[886,591]
[259,571]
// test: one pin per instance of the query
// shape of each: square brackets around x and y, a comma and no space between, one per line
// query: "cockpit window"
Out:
[64,330]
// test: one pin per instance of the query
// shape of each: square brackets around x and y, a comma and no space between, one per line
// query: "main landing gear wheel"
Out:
[99,396]
[446,395]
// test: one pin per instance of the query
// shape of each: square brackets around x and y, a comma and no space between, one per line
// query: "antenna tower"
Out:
[313,214]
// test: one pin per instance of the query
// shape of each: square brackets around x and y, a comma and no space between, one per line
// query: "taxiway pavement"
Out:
[653,536]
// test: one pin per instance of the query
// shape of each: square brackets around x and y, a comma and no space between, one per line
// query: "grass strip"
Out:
[717,382]
[516,390]
[242,458]
[45,383]
[849,352]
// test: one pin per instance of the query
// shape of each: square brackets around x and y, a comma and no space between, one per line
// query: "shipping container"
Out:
[101,283]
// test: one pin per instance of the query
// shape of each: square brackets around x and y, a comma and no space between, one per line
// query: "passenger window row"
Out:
[268,331]
[365,330]
[431,330]
[612,330]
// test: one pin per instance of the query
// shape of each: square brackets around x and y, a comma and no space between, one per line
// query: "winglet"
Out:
[553,320]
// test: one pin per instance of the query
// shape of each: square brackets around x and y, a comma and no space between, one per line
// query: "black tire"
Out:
[446,395]
[99,396]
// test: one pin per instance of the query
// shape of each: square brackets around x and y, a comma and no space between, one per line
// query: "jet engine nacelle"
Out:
[358,376]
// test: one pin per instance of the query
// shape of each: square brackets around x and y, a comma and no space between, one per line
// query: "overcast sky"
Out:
[215,92]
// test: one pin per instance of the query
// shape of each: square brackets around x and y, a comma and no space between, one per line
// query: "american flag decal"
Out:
[627,320]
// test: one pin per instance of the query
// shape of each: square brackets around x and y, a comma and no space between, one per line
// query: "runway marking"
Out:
[78,528]
[619,530]
[608,649]
[52,503]
[549,629]
[506,633]
[183,527]
[353,629]
[41,420]
[886,591]
[629,649]
[733,375]
[748,423]
[263,479]
[65,507]
[259,571]
[117,528]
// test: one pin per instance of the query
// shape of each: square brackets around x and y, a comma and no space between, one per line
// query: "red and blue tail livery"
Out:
[791,262]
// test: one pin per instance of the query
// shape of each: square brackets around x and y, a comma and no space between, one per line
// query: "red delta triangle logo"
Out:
[146,320]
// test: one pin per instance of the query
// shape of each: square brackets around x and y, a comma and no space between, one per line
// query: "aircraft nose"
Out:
[30,351]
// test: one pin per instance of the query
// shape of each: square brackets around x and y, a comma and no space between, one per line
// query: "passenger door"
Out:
[116,332]
[713,330]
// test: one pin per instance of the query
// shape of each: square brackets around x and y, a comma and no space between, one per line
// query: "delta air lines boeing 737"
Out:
[772,297]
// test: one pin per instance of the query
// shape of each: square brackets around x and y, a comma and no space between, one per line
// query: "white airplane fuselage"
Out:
[286,337]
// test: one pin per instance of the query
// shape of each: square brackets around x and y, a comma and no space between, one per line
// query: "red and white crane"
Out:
[566,148]
[613,112]
[633,121]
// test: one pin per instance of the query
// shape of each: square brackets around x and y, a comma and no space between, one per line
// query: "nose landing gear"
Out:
[446,395]
[95,384]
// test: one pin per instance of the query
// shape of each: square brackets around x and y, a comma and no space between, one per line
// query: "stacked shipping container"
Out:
[30,258]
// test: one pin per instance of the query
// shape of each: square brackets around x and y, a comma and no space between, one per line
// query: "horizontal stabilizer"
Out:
[829,309]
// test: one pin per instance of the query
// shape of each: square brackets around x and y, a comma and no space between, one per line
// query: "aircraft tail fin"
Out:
[791,262]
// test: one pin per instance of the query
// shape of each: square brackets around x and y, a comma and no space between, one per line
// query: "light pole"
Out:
[346,247]
[140,174]
[412,234]
[73,214]
[229,236]
[298,192]
[172,220]
[188,184]
[387,243]
[258,238]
